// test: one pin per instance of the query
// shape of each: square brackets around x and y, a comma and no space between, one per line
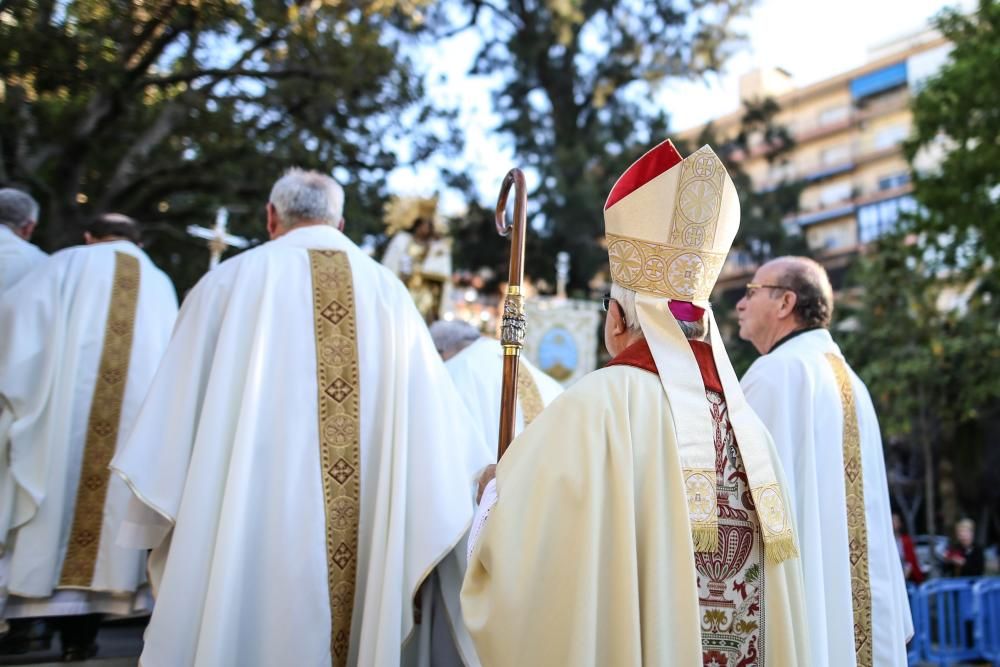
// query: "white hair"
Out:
[17,208]
[452,337]
[307,196]
[626,299]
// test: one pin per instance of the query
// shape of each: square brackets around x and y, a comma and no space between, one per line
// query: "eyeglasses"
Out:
[606,302]
[753,287]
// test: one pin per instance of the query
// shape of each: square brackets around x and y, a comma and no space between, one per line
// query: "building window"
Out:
[880,218]
[834,194]
[835,155]
[833,115]
[891,136]
[894,181]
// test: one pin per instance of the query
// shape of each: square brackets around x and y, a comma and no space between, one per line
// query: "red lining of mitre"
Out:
[654,162]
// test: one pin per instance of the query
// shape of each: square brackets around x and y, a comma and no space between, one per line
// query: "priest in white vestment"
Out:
[80,339]
[475,363]
[827,435]
[642,519]
[307,480]
[18,219]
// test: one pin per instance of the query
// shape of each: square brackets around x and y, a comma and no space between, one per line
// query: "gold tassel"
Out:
[779,548]
[706,537]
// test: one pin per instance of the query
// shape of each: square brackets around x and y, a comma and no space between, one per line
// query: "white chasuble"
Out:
[80,340]
[17,257]
[478,374]
[310,471]
[587,557]
[858,609]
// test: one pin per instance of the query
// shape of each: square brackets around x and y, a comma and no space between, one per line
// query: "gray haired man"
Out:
[18,219]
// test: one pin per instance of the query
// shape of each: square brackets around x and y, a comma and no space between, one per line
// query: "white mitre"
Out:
[670,222]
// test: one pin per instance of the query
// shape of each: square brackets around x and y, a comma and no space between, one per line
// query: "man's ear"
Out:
[88,238]
[618,324]
[272,221]
[340,225]
[788,301]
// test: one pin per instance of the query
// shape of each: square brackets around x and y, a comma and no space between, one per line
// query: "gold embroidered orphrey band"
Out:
[337,382]
[528,395]
[857,532]
[686,274]
[102,426]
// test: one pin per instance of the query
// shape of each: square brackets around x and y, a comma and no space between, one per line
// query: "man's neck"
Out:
[790,334]
[109,239]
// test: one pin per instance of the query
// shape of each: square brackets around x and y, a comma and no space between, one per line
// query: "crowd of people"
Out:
[299,471]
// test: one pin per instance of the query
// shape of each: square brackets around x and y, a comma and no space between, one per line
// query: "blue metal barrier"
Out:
[987,605]
[913,655]
[947,613]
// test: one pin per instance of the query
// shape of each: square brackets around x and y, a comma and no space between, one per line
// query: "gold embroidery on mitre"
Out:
[857,531]
[779,539]
[102,426]
[699,200]
[663,270]
[702,502]
[337,382]
[528,395]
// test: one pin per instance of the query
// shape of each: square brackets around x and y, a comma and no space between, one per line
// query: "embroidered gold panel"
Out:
[337,382]
[658,268]
[102,426]
[528,395]
[699,200]
[857,531]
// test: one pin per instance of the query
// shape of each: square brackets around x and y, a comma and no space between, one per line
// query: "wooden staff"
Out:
[512,329]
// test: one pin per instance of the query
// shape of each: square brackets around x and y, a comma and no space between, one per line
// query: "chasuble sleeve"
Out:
[774,387]
[28,314]
[587,517]
[154,459]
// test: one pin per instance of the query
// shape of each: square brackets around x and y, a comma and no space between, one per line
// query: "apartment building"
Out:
[848,133]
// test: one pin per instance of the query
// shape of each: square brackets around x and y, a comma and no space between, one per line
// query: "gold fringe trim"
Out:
[779,539]
[703,507]
[778,549]
[706,537]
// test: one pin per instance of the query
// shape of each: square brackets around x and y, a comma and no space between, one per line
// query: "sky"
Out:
[812,40]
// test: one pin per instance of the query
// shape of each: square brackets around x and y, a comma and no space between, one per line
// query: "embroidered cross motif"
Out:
[339,390]
[342,556]
[334,312]
[341,471]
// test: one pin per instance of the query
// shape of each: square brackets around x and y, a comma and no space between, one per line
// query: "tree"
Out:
[579,76]
[166,109]
[957,114]
[926,326]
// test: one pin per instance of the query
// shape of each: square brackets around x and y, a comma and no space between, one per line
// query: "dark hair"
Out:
[813,299]
[115,224]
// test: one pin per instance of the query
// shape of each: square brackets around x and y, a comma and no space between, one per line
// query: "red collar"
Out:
[638,355]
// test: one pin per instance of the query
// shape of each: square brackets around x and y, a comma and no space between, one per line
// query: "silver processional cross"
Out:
[217,237]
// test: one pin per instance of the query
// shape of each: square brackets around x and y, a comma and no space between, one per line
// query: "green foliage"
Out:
[165,110]
[578,79]
[958,112]
[926,326]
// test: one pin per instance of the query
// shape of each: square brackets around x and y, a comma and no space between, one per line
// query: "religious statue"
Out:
[419,253]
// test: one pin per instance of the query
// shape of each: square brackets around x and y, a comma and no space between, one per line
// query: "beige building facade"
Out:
[848,132]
